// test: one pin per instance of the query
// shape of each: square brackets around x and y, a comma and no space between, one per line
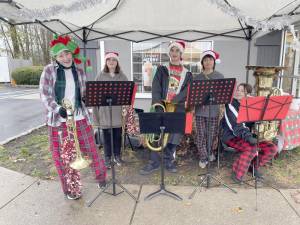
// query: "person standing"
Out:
[63,80]
[170,84]
[204,125]
[111,72]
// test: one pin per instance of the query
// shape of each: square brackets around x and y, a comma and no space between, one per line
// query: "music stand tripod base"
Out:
[206,178]
[163,123]
[162,191]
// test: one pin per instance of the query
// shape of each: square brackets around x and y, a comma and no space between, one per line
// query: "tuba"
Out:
[264,77]
[152,141]
[79,162]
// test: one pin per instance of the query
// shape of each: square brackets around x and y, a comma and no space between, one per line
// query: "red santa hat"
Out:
[114,55]
[178,44]
[212,53]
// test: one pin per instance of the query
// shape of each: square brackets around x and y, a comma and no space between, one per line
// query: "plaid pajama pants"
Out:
[204,126]
[267,151]
[87,146]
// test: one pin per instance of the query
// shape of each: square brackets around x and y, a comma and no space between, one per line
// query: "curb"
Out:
[22,134]
[19,86]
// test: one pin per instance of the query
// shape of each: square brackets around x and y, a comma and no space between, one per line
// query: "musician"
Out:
[170,83]
[206,125]
[111,72]
[239,137]
[62,79]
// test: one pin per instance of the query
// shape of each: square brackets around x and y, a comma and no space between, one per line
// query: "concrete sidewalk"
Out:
[25,200]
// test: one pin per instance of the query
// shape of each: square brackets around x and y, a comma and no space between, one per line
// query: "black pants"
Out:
[117,132]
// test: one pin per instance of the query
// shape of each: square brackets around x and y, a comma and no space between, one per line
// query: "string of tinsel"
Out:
[278,23]
[47,13]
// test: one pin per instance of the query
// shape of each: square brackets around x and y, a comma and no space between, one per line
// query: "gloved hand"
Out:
[252,140]
[83,99]
[159,109]
[62,112]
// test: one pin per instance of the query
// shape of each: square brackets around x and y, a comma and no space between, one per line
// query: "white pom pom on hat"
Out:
[114,55]
[178,44]
[212,53]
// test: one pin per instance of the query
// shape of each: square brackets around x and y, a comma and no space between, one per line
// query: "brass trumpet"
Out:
[80,162]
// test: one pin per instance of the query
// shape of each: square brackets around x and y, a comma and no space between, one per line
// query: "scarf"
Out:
[60,85]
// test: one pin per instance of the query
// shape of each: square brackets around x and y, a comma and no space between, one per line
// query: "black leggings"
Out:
[117,132]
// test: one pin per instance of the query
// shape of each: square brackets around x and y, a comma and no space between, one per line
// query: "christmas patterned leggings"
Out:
[87,146]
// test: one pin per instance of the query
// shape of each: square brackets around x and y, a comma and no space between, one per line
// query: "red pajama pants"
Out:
[267,151]
[87,146]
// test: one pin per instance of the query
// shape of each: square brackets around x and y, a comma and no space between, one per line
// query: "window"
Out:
[146,57]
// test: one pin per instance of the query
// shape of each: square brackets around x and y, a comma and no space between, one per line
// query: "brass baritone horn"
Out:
[152,141]
[80,162]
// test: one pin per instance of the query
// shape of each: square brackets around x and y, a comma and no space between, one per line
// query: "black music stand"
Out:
[110,93]
[259,109]
[210,92]
[162,123]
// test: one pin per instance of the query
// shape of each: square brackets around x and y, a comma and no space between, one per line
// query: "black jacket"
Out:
[160,86]
[230,126]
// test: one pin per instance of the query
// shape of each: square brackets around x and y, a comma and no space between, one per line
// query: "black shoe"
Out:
[119,161]
[171,167]
[107,162]
[148,169]
[258,174]
[235,179]
[73,197]
[102,184]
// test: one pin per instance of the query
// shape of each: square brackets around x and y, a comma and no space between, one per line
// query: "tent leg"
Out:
[249,39]
[84,46]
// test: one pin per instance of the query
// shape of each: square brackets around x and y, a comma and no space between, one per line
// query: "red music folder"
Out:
[261,108]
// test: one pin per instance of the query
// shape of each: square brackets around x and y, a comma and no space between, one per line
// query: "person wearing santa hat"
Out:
[204,125]
[170,84]
[111,72]
[63,80]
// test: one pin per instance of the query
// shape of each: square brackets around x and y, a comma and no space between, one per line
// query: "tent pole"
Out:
[249,39]
[84,46]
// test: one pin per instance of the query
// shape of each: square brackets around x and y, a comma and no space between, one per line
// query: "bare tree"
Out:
[27,42]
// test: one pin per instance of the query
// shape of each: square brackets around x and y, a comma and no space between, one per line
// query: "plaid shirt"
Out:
[47,94]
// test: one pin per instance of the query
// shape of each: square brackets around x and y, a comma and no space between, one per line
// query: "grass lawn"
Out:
[30,155]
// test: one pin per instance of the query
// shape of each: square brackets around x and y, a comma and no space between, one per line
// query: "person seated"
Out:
[239,137]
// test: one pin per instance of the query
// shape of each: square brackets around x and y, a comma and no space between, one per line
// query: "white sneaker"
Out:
[73,197]
[202,164]
[212,157]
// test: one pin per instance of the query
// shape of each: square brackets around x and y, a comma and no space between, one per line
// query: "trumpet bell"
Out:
[80,163]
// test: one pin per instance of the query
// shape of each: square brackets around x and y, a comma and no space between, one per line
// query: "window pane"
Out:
[137,68]
[136,57]
[137,78]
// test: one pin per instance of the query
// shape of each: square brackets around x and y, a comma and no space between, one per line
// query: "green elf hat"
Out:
[58,45]
[65,43]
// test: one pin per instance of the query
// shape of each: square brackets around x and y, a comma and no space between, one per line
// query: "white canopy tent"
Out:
[147,20]
[142,20]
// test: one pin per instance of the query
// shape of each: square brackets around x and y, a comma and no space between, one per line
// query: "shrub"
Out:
[27,75]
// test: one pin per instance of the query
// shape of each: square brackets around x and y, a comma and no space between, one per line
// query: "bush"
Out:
[27,75]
